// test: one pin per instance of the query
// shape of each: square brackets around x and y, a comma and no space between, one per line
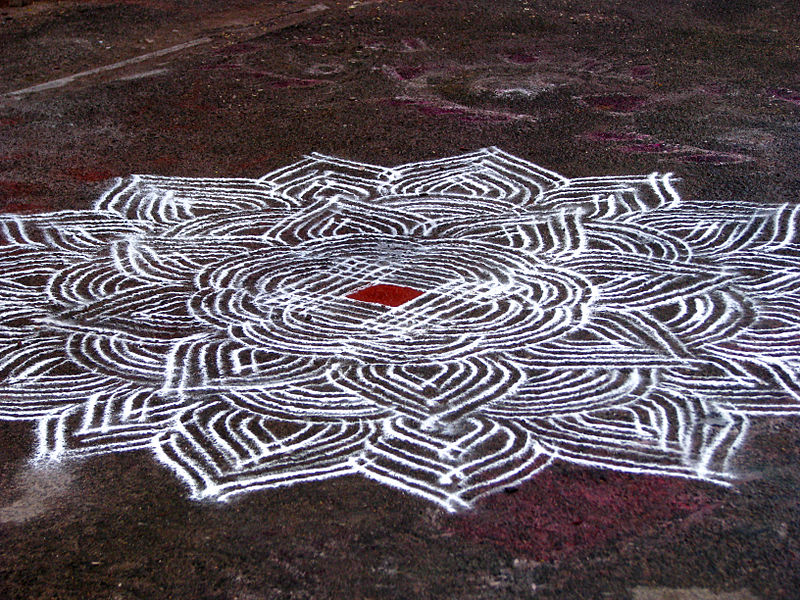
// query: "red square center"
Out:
[386,294]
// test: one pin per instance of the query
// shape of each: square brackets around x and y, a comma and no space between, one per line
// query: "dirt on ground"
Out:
[90,90]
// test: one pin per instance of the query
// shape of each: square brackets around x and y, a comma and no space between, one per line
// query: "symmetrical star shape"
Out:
[448,327]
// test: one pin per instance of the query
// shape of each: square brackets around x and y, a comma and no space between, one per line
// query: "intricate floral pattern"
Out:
[448,327]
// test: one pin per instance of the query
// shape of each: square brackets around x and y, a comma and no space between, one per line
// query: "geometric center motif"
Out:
[386,294]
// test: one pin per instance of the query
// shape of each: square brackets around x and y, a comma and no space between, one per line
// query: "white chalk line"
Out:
[63,81]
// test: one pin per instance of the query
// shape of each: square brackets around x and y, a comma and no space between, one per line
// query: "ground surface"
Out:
[708,89]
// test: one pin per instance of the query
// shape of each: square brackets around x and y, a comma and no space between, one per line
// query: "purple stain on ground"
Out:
[615,102]
[616,136]
[713,158]
[641,71]
[463,114]
[785,94]
[221,67]
[521,58]
[713,89]
[594,65]
[291,82]
[410,72]
[637,143]
[325,69]
[653,147]
[414,44]
[279,81]
[558,514]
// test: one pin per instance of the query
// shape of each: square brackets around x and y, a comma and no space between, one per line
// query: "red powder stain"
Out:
[7,122]
[19,207]
[615,102]
[786,95]
[252,162]
[386,294]
[19,188]
[521,58]
[15,197]
[90,175]
[558,514]
[164,162]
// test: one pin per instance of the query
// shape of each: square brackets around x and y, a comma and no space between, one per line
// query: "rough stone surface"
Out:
[706,89]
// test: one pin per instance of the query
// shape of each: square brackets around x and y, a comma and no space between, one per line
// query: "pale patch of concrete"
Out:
[662,593]
[38,490]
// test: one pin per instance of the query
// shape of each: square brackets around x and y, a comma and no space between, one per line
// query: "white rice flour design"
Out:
[447,327]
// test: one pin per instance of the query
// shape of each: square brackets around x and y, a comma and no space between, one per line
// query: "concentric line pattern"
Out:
[217,322]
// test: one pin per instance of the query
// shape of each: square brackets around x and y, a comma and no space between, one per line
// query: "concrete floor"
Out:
[90,90]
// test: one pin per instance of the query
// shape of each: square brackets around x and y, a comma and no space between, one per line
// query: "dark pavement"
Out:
[709,90]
